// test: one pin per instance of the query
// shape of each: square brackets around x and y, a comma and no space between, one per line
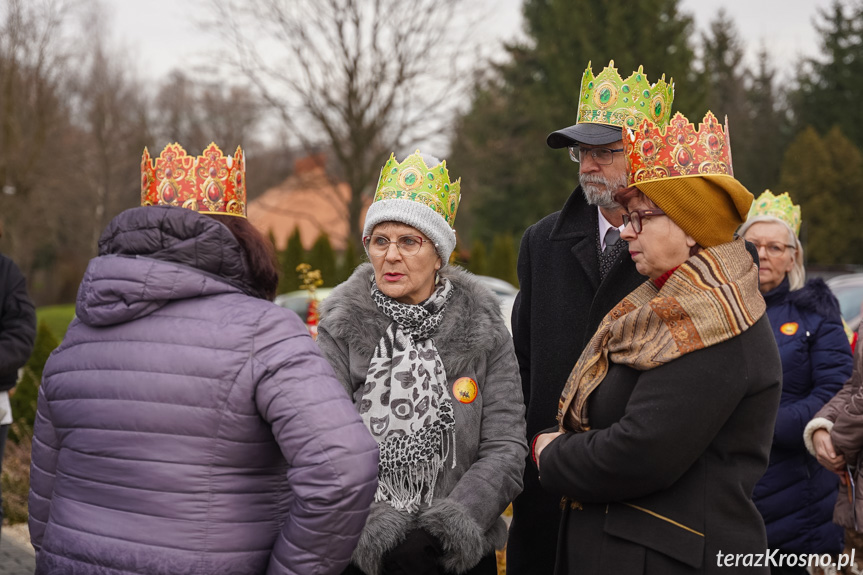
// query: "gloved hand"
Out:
[416,555]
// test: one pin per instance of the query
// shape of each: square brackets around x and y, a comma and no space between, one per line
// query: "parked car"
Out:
[498,286]
[298,301]
[505,293]
[848,289]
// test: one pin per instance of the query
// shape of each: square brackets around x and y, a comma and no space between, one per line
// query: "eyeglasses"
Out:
[602,156]
[773,249]
[636,216]
[380,245]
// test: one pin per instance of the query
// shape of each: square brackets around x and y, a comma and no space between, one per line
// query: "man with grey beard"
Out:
[572,269]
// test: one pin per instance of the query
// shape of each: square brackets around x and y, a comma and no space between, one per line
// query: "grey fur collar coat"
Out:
[490,452]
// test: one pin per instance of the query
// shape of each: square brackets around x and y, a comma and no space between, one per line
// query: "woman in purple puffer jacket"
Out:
[188,425]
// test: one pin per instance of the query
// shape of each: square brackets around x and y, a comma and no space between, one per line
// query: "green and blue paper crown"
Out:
[413,180]
[780,207]
[609,99]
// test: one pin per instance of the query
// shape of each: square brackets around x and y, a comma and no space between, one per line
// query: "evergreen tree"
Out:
[829,87]
[724,74]
[499,145]
[478,263]
[502,262]
[23,398]
[292,256]
[322,257]
[726,95]
[759,161]
[350,260]
[816,173]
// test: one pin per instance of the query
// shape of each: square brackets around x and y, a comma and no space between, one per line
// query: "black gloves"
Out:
[416,555]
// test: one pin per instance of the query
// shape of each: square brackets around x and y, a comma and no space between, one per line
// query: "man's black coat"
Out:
[559,307]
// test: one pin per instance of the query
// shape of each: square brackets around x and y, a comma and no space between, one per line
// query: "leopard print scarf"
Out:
[405,402]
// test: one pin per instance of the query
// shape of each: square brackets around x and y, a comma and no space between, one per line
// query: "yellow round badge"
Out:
[465,389]
[789,328]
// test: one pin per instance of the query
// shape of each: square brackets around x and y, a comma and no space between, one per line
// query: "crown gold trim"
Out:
[211,183]
[413,180]
[780,207]
[678,150]
[609,99]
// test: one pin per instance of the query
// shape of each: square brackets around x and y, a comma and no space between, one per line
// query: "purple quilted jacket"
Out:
[186,427]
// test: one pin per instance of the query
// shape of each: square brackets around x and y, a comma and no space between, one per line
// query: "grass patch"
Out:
[57,318]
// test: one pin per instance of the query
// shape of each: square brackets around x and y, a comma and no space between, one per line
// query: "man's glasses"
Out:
[773,249]
[602,156]
[636,217]
[380,245]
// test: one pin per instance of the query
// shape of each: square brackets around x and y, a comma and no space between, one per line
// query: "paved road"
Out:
[16,556]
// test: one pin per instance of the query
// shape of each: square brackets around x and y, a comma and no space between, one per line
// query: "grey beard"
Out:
[598,191]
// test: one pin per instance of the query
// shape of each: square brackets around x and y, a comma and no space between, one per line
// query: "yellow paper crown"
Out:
[609,99]
[780,207]
[413,180]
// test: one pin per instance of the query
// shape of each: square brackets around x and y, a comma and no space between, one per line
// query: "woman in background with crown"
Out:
[796,495]
[666,419]
[186,424]
[422,350]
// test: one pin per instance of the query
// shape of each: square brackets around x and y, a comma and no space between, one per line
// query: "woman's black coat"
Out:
[665,475]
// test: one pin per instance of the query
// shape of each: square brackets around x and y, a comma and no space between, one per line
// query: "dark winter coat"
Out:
[796,495]
[473,342]
[666,472]
[17,323]
[558,309]
[843,418]
[185,426]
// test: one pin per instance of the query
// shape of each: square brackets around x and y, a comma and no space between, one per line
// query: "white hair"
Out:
[797,275]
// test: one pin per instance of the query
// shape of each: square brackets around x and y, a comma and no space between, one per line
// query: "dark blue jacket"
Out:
[796,495]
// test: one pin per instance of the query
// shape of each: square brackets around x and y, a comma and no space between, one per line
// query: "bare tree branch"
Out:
[360,78]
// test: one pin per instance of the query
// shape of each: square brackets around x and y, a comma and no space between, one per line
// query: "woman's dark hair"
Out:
[259,252]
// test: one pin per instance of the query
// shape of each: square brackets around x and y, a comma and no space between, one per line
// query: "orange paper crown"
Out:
[678,150]
[211,183]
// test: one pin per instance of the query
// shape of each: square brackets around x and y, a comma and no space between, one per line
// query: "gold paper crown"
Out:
[211,183]
[780,207]
[677,150]
[413,180]
[609,99]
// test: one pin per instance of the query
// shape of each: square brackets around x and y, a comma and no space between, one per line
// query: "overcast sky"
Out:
[162,34]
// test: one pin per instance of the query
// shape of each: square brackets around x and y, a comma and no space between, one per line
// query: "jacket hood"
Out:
[151,256]
[815,297]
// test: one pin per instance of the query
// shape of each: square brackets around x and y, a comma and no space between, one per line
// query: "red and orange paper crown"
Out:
[678,150]
[211,183]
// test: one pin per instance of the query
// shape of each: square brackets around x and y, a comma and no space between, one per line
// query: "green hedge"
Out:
[57,318]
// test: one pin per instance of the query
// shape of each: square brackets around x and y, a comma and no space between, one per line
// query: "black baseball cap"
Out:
[584,133]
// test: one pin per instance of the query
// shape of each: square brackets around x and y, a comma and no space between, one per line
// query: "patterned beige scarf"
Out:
[710,298]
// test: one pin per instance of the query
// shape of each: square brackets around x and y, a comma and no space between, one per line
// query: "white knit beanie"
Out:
[415,214]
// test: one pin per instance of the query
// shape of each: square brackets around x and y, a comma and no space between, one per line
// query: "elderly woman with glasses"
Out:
[666,419]
[796,495]
[424,353]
